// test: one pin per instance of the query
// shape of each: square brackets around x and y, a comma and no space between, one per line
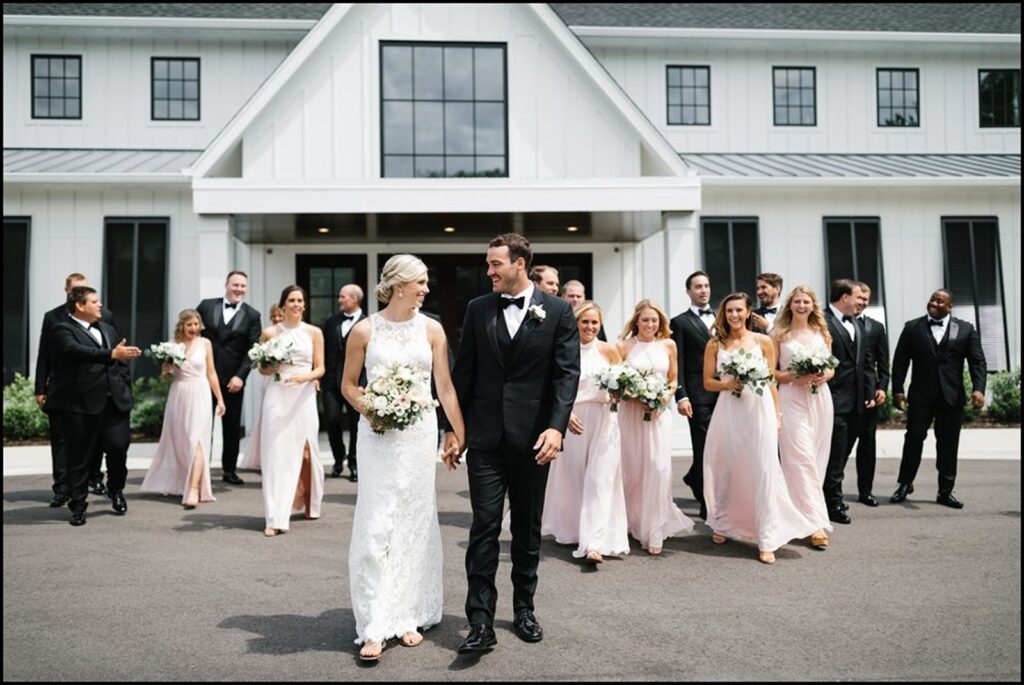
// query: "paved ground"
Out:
[909,592]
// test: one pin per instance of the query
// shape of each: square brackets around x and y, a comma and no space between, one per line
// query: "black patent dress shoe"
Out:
[526,626]
[119,503]
[59,501]
[948,500]
[77,518]
[838,516]
[843,506]
[336,471]
[353,475]
[232,477]
[97,488]
[481,638]
[901,493]
[868,500]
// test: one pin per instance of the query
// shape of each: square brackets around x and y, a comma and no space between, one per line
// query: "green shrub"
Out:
[1005,405]
[888,412]
[23,419]
[150,399]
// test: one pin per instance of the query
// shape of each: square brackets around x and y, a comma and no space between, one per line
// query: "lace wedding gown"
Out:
[394,559]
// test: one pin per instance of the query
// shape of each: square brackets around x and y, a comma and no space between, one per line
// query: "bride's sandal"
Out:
[718,539]
[371,651]
[411,639]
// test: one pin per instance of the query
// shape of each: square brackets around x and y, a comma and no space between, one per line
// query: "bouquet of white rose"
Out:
[651,390]
[809,360]
[271,353]
[167,352]
[615,379]
[747,369]
[397,397]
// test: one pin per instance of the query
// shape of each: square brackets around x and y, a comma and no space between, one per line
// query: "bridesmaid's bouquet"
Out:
[167,352]
[650,389]
[397,397]
[747,368]
[272,353]
[809,360]
[616,379]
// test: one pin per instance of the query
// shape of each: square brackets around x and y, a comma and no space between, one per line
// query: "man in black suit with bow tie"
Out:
[91,392]
[937,345]
[232,327]
[876,385]
[769,289]
[691,332]
[339,414]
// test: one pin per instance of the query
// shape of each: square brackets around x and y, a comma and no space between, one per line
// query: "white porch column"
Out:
[214,254]
[682,245]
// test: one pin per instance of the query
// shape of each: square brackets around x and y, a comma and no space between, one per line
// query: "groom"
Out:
[516,376]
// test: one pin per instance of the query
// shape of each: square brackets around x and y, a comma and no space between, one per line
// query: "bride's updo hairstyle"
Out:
[402,268]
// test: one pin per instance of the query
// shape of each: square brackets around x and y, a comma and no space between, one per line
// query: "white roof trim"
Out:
[218,23]
[641,32]
[163,179]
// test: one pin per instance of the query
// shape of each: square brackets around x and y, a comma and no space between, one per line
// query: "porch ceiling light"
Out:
[449,229]
[572,229]
[323,229]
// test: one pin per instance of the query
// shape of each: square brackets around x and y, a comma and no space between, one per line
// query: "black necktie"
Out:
[705,312]
[230,305]
[771,310]
[933,322]
[847,319]
[507,302]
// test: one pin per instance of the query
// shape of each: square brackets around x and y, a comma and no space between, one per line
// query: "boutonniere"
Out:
[536,312]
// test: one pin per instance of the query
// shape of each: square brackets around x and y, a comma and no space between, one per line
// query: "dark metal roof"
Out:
[213,10]
[852,166]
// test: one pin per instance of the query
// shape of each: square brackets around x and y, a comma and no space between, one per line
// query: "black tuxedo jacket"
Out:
[876,357]
[232,342]
[43,361]
[334,351]
[848,384]
[691,337]
[524,390]
[84,374]
[938,368]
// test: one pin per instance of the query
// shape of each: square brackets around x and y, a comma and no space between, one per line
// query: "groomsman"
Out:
[43,379]
[340,415]
[574,293]
[545,278]
[847,386]
[769,288]
[691,332]
[876,385]
[91,393]
[232,327]
[937,345]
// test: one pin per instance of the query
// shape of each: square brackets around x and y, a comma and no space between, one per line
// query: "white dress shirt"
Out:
[347,325]
[707,319]
[770,316]
[229,313]
[514,316]
[939,331]
[848,325]
[94,332]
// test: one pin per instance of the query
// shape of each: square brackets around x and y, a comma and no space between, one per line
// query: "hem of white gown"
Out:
[379,635]
[771,545]
[607,551]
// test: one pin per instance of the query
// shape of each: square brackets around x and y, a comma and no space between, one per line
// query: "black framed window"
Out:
[999,98]
[795,96]
[16,244]
[689,96]
[56,87]
[443,110]
[730,255]
[974,274]
[175,89]
[135,282]
[853,249]
[323,275]
[899,97]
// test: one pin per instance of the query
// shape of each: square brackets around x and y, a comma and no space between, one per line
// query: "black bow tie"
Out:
[347,317]
[94,327]
[847,319]
[705,312]
[771,310]
[507,302]
[229,305]
[933,322]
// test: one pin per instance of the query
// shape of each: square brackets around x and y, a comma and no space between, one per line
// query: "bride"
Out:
[395,555]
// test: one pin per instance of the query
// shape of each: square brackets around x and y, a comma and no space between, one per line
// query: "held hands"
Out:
[236,384]
[122,352]
[548,445]
[453,448]
[575,425]
[685,408]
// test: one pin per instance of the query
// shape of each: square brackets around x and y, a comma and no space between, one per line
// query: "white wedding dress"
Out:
[394,560]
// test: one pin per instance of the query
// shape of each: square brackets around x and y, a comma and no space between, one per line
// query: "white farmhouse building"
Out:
[154,147]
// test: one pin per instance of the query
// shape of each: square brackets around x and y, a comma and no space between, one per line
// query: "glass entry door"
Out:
[322,276]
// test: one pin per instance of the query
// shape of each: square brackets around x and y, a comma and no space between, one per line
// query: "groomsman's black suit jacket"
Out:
[848,385]
[84,374]
[876,358]
[520,388]
[691,337]
[231,343]
[334,351]
[43,362]
[938,368]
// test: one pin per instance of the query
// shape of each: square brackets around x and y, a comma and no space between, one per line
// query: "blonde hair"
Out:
[816,319]
[184,316]
[276,310]
[631,326]
[586,306]
[401,268]
[720,330]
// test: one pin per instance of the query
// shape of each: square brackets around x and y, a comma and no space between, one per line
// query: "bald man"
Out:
[340,415]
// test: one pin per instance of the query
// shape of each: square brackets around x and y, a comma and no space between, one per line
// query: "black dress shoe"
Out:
[353,475]
[59,501]
[336,471]
[97,488]
[901,493]
[843,506]
[838,516]
[868,500]
[77,518]
[480,639]
[948,500]
[526,626]
[232,477]
[119,503]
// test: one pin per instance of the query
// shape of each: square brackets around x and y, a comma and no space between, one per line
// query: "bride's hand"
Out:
[452,454]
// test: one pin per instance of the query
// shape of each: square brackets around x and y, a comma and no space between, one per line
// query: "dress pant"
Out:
[231,422]
[109,431]
[58,453]
[866,452]
[491,474]
[948,421]
[845,429]
[698,436]
[96,466]
[341,417]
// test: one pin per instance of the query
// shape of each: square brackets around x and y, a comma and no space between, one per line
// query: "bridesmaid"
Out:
[250,458]
[743,482]
[584,502]
[806,435]
[293,477]
[180,466]
[647,345]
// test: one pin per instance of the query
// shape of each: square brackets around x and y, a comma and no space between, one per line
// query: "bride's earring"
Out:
[401,294]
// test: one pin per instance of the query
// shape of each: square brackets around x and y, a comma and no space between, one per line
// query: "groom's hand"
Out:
[549,444]
[452,454]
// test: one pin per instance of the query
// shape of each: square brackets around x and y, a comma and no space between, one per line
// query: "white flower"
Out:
[536,311]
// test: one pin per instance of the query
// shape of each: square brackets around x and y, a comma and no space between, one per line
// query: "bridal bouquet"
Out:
[809,360]
[271,353]
[616,379]
[650,389]
[747,369]
[167,352]
[397,397]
